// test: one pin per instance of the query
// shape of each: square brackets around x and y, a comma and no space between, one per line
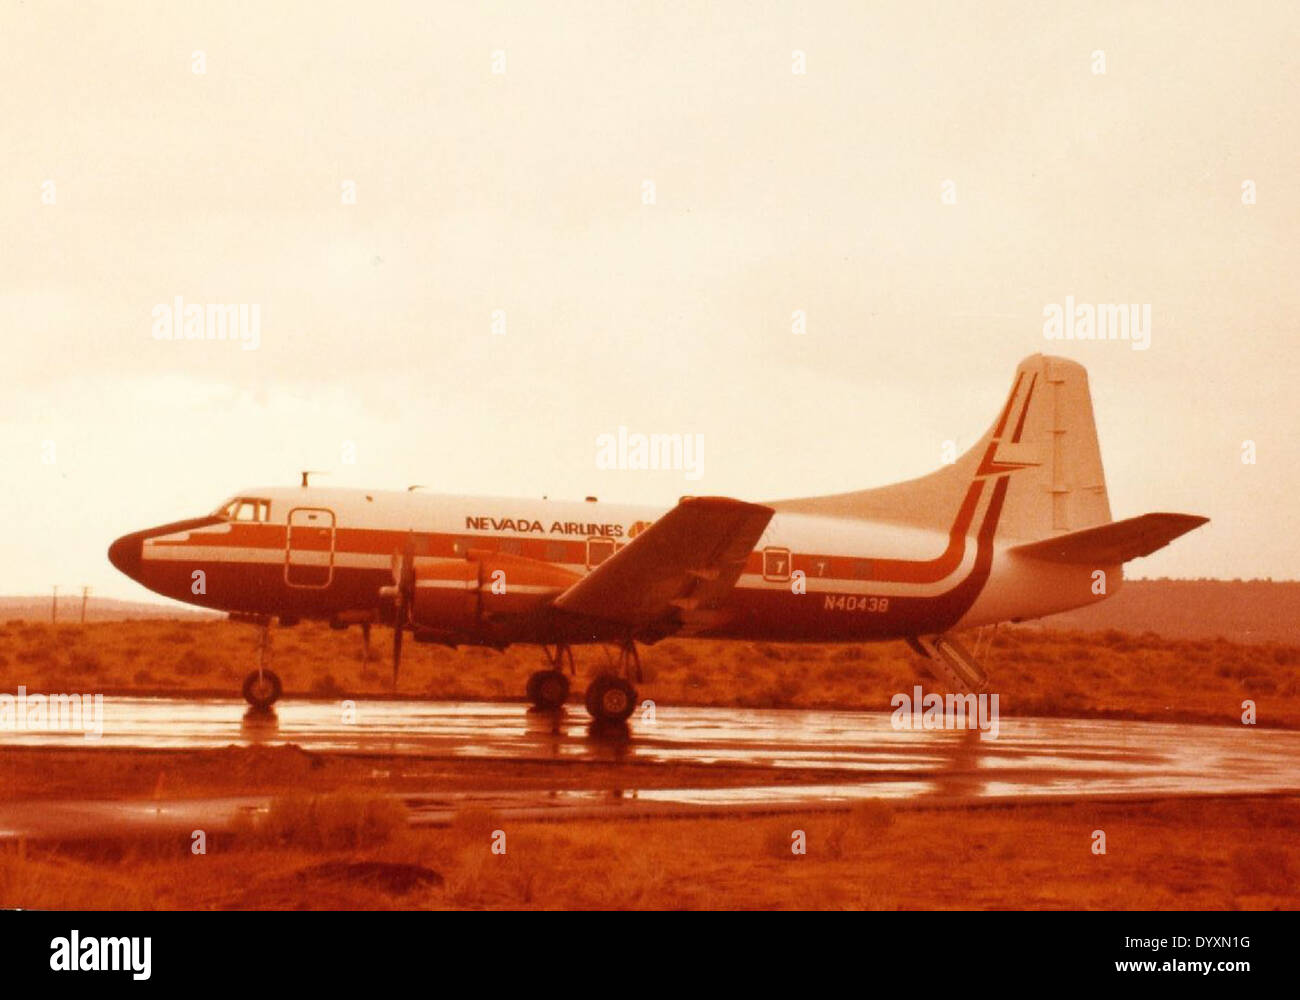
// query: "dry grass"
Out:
[1035,672]
[1211,854]
[332,821]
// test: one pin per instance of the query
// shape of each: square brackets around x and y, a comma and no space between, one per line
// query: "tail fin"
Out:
[1044,437]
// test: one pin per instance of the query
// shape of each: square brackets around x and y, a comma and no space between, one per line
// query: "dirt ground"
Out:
[333,839]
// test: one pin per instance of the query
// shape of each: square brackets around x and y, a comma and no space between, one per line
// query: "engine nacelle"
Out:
[468,597]
[446,595]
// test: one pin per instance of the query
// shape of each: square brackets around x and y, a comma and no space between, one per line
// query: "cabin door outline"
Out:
[309,548]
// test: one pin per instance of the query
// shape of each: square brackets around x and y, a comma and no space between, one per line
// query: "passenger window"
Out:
[509,547]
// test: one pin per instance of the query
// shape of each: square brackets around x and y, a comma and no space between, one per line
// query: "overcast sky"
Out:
[127,179]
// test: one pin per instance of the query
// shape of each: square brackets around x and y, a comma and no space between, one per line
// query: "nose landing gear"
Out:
[262,688]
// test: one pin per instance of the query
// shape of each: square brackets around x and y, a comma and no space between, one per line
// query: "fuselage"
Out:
[321,553]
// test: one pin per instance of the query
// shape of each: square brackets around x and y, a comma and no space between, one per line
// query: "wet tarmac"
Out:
[849,755]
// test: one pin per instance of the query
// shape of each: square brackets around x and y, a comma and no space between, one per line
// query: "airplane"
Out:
[1016,528]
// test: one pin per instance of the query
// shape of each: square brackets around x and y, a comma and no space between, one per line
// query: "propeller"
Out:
[402,593]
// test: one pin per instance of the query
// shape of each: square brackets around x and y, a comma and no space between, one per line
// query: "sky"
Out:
[480,236]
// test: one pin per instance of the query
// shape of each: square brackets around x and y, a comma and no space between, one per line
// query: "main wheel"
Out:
[610,699]
[548,689]
[262,689]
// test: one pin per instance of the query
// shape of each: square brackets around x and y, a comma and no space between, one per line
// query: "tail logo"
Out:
[990,464]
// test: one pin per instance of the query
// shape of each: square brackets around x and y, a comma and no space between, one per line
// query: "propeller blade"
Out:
[397,650]
[404,587]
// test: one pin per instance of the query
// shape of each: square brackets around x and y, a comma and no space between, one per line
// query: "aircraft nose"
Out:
[125,553]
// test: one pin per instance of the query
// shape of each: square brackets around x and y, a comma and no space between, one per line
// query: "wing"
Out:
[680,568]
[1112,543]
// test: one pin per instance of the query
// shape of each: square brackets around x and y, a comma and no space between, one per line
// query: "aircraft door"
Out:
[309,547]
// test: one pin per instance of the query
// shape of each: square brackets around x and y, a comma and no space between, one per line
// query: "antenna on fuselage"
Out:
[311,472]
[417,486]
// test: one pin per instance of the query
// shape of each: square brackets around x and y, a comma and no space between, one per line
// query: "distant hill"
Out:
[98,609]
[1240,610]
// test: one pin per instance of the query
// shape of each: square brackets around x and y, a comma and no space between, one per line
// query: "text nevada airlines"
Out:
[528,525]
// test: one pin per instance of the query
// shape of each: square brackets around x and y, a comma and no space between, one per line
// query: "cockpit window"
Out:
[246,509]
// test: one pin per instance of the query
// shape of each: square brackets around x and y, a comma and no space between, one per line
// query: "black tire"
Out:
[548,689]
[611,699]
[262,689]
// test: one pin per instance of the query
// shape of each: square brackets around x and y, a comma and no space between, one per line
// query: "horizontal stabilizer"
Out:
[1113,543]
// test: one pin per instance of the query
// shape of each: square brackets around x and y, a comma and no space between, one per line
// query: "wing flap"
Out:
[685,562]
[1113,543]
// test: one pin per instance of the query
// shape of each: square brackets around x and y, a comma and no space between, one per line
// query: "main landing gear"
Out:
[548,689]
[262,688]
[610,698]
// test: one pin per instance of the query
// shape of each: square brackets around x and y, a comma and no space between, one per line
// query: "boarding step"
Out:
[951,663]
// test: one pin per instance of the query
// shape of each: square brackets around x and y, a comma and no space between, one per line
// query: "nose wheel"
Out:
[262,689]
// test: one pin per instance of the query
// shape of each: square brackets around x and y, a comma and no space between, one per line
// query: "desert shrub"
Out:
[1261,869]
[84,662]
[872,814]
[326,687]
[475,822]
[193,664]
[779,842]
[783,693]
[833,839]
[328,822]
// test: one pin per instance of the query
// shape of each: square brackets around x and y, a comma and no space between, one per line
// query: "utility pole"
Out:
[54,606]
[85,592]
